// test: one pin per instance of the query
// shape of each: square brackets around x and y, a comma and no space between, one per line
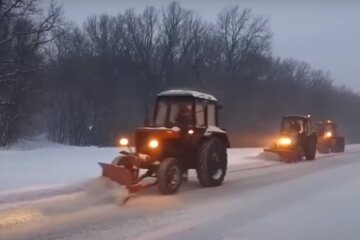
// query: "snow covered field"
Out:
[53,192]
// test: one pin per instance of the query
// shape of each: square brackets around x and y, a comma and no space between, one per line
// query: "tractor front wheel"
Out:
[212,162]
[169,176]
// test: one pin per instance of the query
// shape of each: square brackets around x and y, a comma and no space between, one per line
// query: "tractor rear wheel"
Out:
[212,162]
[310,150]
[169,176]
[338,145]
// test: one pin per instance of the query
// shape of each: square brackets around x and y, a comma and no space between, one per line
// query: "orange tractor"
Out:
[296,139]
[184,134]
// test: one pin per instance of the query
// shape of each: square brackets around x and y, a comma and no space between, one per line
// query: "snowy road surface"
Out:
[261,199]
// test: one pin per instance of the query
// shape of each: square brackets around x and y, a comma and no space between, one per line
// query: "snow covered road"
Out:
[259,200]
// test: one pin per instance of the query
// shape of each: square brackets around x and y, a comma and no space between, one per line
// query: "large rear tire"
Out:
[310,149]
[212,162]
[169,176]
[339,145]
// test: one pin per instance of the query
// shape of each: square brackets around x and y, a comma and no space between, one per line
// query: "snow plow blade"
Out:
[285,154]
[117,174]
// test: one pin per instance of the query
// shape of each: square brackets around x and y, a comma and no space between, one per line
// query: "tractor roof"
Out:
[297,116]
[327,122]
[181,92]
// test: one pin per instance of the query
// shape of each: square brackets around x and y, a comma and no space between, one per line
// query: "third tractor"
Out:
[329,137]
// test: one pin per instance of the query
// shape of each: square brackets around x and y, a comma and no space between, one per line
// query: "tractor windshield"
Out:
[172,112]
[293,125]
[326,128]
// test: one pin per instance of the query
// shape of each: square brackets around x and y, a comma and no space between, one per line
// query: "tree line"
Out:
[59,78]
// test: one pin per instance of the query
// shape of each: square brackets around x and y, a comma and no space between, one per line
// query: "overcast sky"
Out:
[324,33]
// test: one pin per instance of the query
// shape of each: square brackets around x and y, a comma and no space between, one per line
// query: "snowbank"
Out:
[50,166]
[38,165]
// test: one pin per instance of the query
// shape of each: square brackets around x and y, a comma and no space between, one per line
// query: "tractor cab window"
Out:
[173,112]
[181,115]
[160,118]
[294,125]
[322,128]
[211,114]
[329,127]
[200,113]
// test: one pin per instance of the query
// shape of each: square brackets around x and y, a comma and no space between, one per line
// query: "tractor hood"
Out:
[160,132]
[146,136]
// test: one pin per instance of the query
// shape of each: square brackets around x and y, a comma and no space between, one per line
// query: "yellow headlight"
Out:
[285,141]
[154,143]
[124,141]
[328,134]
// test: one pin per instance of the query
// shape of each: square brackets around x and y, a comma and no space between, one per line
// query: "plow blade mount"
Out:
[284,154]
[117,174]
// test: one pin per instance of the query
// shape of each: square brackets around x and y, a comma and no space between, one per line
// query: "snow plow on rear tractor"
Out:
[296,139]
[184,134]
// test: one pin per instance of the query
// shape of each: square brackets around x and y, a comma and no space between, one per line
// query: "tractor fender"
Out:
[218,133]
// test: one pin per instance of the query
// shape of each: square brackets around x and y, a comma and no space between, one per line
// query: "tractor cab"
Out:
[296,124]
[185,110]
[326,129]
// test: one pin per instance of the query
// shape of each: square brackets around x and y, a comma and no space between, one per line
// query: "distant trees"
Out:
[107,72]
[24,31]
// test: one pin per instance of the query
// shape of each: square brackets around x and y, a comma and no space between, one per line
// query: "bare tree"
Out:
[24,31]
[242,34]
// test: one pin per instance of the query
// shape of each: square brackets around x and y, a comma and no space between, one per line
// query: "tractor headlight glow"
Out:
[153,144]
[328,134]
[124,142]
[284,141]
